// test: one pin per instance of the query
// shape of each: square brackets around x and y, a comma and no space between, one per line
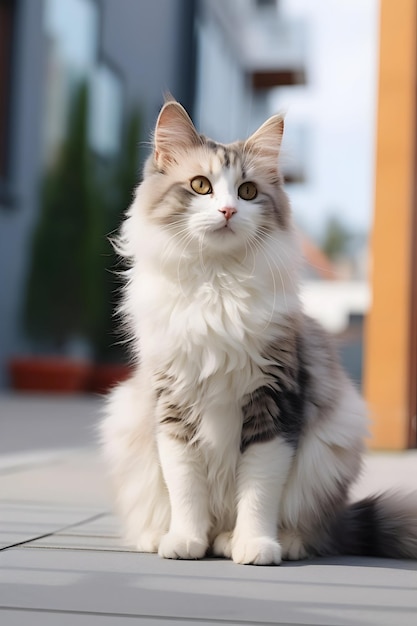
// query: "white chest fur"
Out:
[206,330]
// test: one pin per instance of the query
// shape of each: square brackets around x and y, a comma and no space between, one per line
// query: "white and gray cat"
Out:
[239,434]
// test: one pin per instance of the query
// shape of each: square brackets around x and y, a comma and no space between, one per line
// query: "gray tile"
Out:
[10,538]
[26,527]
[318,592]
[34,422]
[10,533]
[43,513]
[79,542]
[104,526]
[46,618]
[77,480]
[21,522]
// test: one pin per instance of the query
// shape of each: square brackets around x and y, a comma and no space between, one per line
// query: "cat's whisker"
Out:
[258,244]
[166,256]
[253,250]
[180,237]
[188,240]
[177,238]
[270,258]
[200,250]
[283,266]
[272,242]
[246,253]
[268,241]
[252,270]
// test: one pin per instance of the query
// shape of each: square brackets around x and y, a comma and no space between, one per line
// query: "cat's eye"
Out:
[247,191]
[201,185]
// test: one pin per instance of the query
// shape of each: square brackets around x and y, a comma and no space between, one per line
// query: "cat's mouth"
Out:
[224,228]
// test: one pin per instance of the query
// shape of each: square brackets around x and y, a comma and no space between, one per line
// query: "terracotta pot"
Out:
[49,374]
[105,376]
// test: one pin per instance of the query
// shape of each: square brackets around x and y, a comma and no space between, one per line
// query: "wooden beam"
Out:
[388,358]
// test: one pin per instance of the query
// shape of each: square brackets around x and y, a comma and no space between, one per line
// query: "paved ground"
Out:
[61,561]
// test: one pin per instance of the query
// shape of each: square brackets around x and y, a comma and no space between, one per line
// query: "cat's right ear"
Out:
[174,133]
[266,141]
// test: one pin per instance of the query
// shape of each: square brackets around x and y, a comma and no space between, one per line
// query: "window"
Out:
[106,112]
[71,56]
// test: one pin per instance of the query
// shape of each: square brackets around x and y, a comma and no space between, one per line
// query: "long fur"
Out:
[239,433]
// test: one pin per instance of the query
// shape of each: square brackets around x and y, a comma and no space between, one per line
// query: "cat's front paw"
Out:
[256,551]
[222,545]
[292,546]
[176,546]
[149,542]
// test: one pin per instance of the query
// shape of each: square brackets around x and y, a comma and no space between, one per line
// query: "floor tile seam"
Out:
[82,536]
[182,619]
[76,548]
[54,532]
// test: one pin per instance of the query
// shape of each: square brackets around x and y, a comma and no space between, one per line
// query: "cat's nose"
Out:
[228,212]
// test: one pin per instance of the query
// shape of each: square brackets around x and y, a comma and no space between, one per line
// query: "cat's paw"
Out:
[256,551]
[149,542]
[292,546]
[222,545]
[176,546]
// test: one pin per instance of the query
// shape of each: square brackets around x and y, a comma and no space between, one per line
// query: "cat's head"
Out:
[211,196]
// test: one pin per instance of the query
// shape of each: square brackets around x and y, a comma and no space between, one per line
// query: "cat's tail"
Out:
[383,525]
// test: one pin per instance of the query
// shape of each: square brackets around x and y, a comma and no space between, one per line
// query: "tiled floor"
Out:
[62,562]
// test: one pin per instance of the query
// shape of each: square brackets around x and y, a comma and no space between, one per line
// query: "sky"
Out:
[336,109]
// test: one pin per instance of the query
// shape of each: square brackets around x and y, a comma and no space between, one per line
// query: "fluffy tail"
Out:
[383,525]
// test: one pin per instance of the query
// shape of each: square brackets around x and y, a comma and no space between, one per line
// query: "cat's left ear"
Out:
[266,141]
[174,133]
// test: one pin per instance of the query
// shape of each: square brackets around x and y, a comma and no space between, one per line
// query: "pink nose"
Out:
[228,212]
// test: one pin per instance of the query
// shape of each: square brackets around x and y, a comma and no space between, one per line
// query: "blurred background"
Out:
[81,83]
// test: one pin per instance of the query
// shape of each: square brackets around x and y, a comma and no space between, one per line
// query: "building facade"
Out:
[129,57]
[245,50]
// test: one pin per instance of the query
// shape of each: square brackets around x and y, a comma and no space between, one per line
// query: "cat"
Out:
[239,433]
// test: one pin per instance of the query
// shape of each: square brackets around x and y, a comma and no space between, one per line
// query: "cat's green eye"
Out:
[201,185]
[247,191]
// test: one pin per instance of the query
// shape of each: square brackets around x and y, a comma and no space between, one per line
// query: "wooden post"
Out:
[390,337]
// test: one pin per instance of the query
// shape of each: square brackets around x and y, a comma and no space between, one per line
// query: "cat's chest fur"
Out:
[208,331]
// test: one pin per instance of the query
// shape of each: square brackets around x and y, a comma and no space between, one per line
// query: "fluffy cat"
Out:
[239,433]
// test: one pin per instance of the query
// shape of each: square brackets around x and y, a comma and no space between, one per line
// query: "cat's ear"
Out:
[265,143]
[174,133]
